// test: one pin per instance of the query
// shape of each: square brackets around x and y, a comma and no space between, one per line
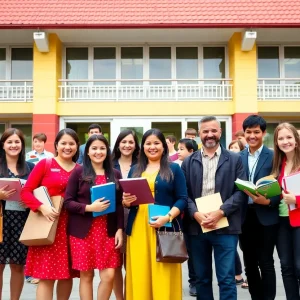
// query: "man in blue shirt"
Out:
[93,129]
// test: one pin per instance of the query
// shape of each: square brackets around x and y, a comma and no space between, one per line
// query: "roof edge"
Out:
[149,26]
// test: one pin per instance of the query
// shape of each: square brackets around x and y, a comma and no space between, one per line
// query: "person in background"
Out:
[95,241]
[212,170]
[51,263]
[260,220]
[171,141]
[237,146]
[186,147]
[286,162]
[93,129]
[124,155]
[190,133]
[12,252]
[146,278]
[240,135]
[39,152]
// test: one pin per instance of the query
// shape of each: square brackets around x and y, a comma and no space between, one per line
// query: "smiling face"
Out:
[97,152]
[127,145]
[183,152]
[286,141]
[38,145]
[254,137]
[66,147]
[210,134]
[153,148]
[12,146]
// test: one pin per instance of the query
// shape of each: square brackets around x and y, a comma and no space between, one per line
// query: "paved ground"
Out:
[29,289]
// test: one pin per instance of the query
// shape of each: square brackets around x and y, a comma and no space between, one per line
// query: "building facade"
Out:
[141,65]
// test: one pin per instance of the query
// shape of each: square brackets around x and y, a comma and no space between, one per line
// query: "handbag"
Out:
[1,223]
[170,246]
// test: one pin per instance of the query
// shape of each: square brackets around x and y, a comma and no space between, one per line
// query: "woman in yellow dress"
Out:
[146,278]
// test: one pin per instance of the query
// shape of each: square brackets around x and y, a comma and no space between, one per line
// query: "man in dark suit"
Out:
[261,219]
[212,170]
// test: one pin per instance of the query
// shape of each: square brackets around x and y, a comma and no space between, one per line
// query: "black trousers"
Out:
[258,243]
[288,248]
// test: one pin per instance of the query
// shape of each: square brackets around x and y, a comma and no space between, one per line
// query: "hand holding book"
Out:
[6,193]
[99,205]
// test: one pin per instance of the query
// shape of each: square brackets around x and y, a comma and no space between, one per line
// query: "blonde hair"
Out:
[280,155]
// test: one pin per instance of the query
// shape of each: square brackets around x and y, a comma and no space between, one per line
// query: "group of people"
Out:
[84,243]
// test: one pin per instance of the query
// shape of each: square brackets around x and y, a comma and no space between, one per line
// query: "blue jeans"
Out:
[224,247]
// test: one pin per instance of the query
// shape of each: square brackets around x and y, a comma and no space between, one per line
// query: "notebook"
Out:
[291,185]
[13,183]
[108,191]
[155,210]
[41,193]
[138,187]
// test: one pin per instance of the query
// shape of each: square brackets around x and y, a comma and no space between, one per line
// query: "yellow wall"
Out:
[46,72]
[243,72]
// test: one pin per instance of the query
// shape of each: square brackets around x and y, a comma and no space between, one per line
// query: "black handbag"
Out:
[170,246]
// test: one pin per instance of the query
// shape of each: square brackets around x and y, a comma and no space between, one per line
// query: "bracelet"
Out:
[170,217]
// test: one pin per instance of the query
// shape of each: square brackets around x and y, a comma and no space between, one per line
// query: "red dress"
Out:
[97,249]
[49,262]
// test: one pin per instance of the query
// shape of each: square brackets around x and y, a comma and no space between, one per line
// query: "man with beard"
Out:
[211,170]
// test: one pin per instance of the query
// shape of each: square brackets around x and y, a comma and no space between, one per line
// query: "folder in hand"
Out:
[155,210]
[138,187]
[291,185]
[208,204]
[41,193]
[108,191]
[13,184]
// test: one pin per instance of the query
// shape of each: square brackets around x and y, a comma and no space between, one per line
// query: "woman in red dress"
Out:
[95,241]
[50,263]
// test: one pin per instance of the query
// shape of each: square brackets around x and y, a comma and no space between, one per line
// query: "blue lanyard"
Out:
[250,173]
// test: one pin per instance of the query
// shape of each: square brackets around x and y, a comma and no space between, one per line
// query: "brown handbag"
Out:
[170,246]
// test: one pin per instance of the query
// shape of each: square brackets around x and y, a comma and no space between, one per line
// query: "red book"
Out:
[138,187]
[13,184]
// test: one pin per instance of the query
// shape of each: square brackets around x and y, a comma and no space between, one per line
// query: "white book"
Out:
[291,185]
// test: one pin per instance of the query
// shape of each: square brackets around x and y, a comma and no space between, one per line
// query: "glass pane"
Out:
[214,63]
[27,131]
[21,64]
[169,128]
[132,64]
[160,64]
[292,64]
[2,129]
[187,64]
[2,63]
[105,65]
[77,64]
[268,63]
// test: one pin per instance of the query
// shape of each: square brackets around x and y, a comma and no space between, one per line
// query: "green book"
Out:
[267,186]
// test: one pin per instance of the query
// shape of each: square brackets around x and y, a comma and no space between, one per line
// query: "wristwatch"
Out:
[170,217]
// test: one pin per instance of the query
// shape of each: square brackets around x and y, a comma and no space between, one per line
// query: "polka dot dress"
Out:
[97,249]
[53,262]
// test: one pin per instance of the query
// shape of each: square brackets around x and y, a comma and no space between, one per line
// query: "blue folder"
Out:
[155,210]
[108,191]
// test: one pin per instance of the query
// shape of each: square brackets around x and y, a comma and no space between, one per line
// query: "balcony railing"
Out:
[16,91]
[278,88]
[143,90]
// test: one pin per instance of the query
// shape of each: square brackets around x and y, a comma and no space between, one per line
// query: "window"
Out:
[268,63]
[105,64]
[2,63]
[292,63]
[132,64]
[187,64]
[214,62]
[160,64]
[77,64]
[21,64]
[27,131]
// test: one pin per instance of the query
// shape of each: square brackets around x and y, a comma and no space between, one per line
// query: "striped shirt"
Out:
[210,165]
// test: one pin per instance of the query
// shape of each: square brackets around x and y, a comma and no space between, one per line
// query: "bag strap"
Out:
[47,165]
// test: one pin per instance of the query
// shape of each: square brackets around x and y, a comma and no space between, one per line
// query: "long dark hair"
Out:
[21,163]
[116,153]
[165,171]
[73,135]
[89,174]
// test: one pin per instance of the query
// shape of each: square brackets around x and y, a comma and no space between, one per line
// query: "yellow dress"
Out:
[147,279]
